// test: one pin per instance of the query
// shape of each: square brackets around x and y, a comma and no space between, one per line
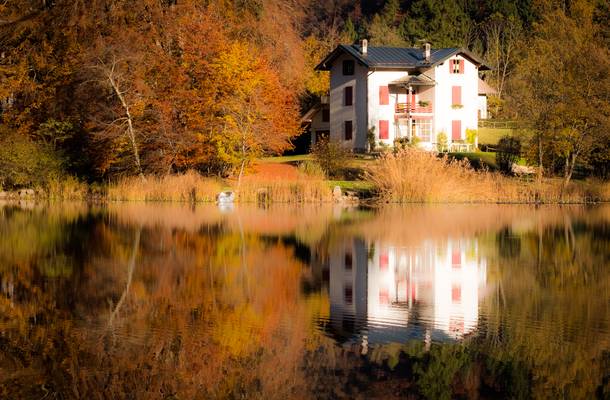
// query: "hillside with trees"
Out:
[105,88]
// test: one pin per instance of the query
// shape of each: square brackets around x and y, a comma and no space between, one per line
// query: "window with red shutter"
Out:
[456,95]
[456,130]
[456,293]
[384,129]
[349,95]
[348,130]
[384,96]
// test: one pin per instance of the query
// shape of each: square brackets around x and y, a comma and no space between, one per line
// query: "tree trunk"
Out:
[569,168]
[130,130]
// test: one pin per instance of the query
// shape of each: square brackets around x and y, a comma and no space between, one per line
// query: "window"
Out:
[348,130]
[325,115]
[348,67]
[384,129]
[422,128]
[384,96]
[348,261]
[456,130]
[348,95]
[456,66]
[348,294]
[456,95]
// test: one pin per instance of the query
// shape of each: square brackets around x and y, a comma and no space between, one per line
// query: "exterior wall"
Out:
[348,312]
[317,125]
[357,113]
[482,106]
[378,112]
[443,112]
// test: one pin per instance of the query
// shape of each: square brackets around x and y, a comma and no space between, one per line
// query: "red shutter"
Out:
[456,95]
[450,62]
[461,66]
[456,293]
[456,259]
[384,96]
[456,130]
[384,129]
[384,296]
[384,260]
[349,96]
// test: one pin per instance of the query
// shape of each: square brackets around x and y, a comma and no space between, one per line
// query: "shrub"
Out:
[441,141]
[507,153]
[311,169]
[331,156]
[25,163]
[471,136]
[371,139]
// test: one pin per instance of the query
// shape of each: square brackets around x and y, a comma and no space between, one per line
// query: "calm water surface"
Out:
[158,301]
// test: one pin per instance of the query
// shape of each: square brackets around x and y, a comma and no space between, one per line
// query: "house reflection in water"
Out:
[380,293]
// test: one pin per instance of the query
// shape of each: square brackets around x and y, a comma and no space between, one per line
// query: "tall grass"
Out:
[189,186]
[285,191]
[192,187]
[415,176]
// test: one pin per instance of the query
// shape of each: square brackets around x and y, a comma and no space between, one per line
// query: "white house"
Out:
[401,93]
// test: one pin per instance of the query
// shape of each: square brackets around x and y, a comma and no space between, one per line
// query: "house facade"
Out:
[395,93]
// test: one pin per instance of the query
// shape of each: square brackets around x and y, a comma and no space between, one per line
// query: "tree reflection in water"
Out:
[149,301]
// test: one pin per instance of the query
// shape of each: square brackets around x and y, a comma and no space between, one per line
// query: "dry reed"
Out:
[415,176]
[285,191]
[189,186]
[192,187]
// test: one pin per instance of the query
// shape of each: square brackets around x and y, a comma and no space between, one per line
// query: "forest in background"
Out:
[106,88]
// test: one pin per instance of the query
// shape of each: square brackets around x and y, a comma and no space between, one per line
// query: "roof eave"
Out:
[326,63]
[473,57]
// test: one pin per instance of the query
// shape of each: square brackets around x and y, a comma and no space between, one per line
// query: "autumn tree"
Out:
[563,89]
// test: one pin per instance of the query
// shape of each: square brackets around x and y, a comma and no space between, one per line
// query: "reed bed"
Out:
[192,187]
[66,188]
[189,186]
[285,191]
[415,176]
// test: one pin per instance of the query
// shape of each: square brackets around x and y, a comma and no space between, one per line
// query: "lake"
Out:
[138,300]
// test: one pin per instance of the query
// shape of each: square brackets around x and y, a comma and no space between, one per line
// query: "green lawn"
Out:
[478,159]
[493,135]
[286,159]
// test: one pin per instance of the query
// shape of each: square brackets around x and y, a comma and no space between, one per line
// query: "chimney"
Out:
[427,52]
[365,47]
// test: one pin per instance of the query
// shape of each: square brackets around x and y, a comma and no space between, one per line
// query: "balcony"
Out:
[409,108]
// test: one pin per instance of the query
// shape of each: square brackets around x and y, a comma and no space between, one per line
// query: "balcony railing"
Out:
[405,108]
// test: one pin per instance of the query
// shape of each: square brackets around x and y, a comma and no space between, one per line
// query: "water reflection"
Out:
[382,293]
[154,301]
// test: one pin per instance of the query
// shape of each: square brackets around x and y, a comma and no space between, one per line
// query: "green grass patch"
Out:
[493,135]
[286,159]
[362,187]
[478,159]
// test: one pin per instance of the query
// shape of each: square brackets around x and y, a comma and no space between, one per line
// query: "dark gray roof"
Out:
[398,57]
